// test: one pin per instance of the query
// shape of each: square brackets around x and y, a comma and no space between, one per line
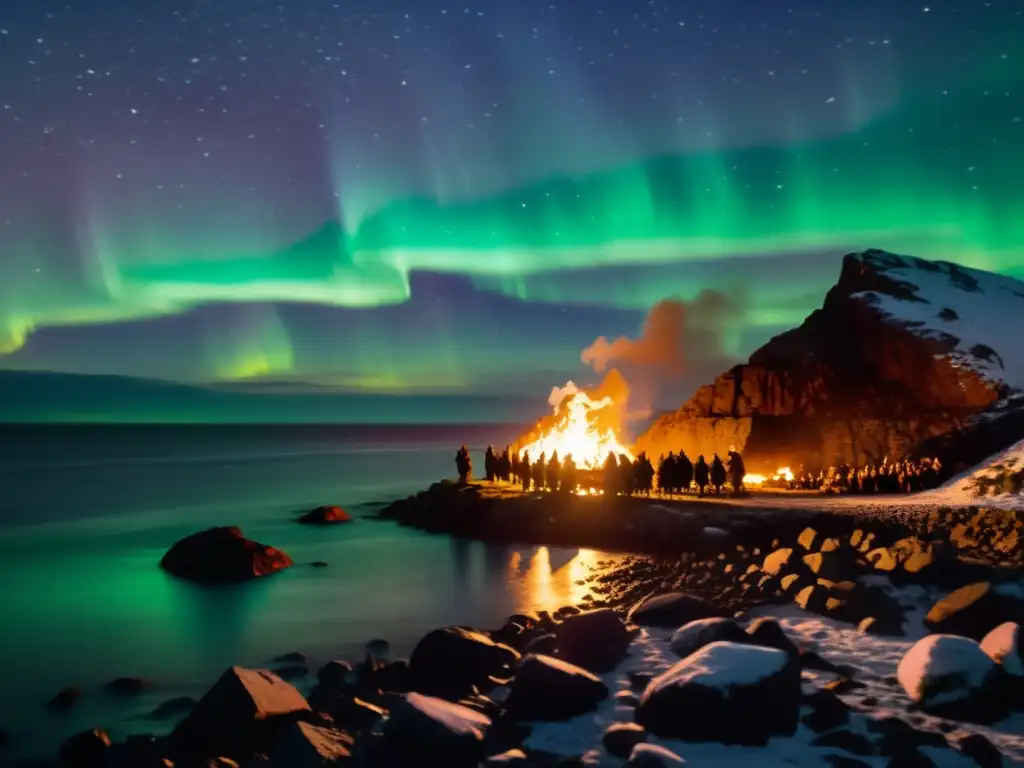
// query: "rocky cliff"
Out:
[902,350]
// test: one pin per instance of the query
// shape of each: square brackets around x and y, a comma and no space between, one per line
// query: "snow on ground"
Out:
[964,489]
[979,308]
[875,659]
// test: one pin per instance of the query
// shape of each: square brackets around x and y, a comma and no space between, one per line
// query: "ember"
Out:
[582,425]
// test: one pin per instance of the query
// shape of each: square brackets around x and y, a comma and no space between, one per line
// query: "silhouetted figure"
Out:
[612,475]
[505,465]
[464,464]
[567,475]
[490,464]
[517,469]
[718,474]
[525,471]
[701,474]
[644,475]
[540,466]
[737,471]
[666,466]
[685,470]
[551,473]
[627,486]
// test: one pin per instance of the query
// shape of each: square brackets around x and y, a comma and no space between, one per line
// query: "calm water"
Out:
[87,512]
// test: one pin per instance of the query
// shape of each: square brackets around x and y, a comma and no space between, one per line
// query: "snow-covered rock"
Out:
[239,713]
[1005,646]
[728,692]
[425,727]
[595,640]
[671,610]
[546,688]
[695,635]
[947,674]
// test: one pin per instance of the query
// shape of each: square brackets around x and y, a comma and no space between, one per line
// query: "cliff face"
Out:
[902,350]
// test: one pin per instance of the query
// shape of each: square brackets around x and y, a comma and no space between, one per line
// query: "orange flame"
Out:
[782,473]
[575,431]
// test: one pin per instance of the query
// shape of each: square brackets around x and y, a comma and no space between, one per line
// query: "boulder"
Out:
[426,728]
[949,676]
[448,662]
[595,640]
[303,745]
[777,562]
[325,516]
[620,738]
[335,674]
[244,711]
[980,750]
[87,749]
[727,692]
[828,711]
[653,756]
[972,611]
[222,556]
[767,632]
[546,688]
[1005,646]
[670,610]
[509,757]
[66,698]
[697,634]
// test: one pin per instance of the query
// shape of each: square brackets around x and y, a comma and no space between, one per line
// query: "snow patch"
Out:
[979,309]
[968,488]
[722,665]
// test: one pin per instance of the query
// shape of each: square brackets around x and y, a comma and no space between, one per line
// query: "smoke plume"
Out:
[683,344]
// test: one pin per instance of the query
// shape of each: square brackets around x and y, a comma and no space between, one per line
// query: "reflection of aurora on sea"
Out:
[577,188]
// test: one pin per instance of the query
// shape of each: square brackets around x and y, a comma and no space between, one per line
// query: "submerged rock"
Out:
[129,686]
[173,708]
[222,556]
[727,692]
[326,515]
[66,698]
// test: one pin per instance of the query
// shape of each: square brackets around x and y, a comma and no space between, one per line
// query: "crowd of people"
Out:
[895,477]
[619,475]
[677,474]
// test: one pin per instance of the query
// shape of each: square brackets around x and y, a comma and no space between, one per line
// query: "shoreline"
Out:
[723,548]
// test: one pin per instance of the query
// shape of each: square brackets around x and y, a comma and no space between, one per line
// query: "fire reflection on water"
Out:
[545,579]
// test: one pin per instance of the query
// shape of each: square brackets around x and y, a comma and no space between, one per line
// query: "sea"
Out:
[86,512]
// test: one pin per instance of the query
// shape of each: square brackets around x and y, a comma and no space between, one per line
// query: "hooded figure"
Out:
[684,468]
[737,471]
[490,464]
[464,464]
[701,473]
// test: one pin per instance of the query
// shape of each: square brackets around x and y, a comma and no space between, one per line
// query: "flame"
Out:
[575,430]
[782,473]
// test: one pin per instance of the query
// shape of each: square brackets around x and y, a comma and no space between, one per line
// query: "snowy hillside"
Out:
[982,311]
[996,482]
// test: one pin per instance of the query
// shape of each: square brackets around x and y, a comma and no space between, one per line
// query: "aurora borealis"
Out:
[412,197]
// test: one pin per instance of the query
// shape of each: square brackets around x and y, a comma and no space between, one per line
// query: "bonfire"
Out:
[584,425]
[782,476]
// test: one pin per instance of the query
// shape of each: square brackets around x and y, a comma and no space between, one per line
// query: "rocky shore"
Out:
[756,642]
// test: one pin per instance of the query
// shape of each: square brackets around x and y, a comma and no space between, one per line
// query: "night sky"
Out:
[410,196]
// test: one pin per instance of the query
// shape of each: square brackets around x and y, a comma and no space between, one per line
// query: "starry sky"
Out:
[414,197]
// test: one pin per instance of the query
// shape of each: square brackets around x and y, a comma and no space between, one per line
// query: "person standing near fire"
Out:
[701,473]
[737,471]
[464,464]
[525,473]
[490,464]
